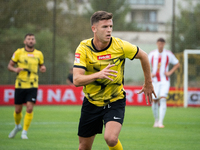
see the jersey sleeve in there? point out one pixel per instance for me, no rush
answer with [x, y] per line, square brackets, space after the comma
[173, 59]
[130, 50]
[80, 57]
[15, 56]
[41, 59]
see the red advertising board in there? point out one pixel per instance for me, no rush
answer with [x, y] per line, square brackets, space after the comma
[70, 95]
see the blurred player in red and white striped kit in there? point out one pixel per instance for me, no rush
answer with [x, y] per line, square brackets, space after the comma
[160, 59]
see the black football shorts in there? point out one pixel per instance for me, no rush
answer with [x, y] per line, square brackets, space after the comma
[24, 95]
[93, 117]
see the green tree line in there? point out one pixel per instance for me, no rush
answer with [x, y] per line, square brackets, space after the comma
[19, 17]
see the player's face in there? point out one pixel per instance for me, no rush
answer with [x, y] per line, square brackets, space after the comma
[103, 30]
[30, 41]
[160, 46]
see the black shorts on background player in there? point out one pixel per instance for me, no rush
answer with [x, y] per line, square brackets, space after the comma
[24, 95]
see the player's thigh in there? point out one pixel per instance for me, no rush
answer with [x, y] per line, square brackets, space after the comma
[113, 119]
[156, 86]
[112, 130]
[164, 89]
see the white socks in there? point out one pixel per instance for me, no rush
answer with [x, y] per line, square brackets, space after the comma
[24, 132]
[18, 126]
[155, 110]
[162, 110]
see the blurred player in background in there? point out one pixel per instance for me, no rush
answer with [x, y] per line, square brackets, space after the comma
[99, 67]
[160, 60]
[27, 60]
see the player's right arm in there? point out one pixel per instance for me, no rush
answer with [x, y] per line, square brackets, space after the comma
[11, 67]
[80, 79]
[147, 87]
[14, 59]
[80, 65]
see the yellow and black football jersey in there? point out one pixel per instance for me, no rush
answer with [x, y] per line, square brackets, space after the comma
[103, 91]
[29, 61]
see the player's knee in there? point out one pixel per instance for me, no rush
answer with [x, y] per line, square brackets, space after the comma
[155, 100]
[17, 111]
[163, 102]
[84, 147]
[111, 140]
[29, 110]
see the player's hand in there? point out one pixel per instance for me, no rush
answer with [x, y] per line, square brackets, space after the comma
[17, 70]
[148, 91]
[103, 74]
[167, 74]
[42, 68]
[153, 75]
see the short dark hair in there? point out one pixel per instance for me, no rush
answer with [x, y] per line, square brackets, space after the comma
[161, 40]
[29, 34]
[100, 15]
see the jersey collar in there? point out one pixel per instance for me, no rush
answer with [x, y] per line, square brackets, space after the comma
[28, 51]
[102, 49]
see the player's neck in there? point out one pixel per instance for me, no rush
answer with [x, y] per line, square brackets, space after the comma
[28, 49]
[160, 50]
[100, 45]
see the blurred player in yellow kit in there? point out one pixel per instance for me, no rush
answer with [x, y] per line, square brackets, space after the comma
[27, 59]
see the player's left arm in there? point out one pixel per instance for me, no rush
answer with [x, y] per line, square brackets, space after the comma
[174, 68]
[147, 87]
[42, 68]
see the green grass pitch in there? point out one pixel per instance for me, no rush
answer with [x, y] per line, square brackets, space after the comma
[55, 128]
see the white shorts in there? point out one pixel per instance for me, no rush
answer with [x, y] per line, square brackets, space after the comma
[161, 89]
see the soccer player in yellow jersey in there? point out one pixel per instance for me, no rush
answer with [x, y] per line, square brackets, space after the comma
[99, 67]
[27, 60]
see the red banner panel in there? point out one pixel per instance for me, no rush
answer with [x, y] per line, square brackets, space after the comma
[70, 95]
